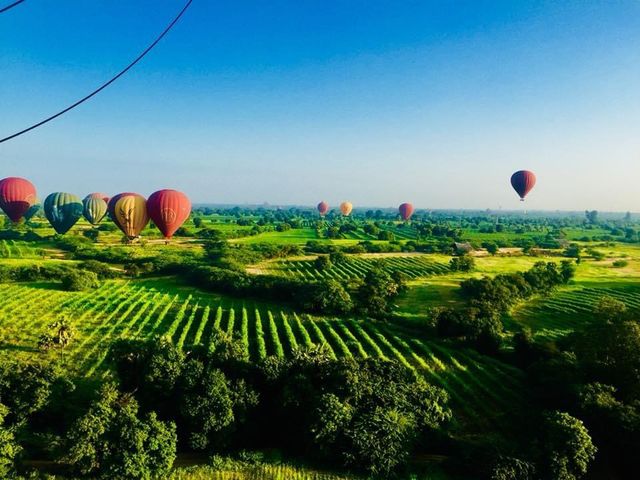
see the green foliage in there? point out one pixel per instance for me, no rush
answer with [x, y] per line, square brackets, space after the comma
[79, 280]
[375, 295]
[463, 263]
[568, 448]
[322, 262]
[9, 448]
[111, 441]
[330, 297]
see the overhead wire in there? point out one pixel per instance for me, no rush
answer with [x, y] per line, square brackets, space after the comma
[106, 84]
[11, 5]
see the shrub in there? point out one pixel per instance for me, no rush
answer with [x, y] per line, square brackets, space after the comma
[79, 280]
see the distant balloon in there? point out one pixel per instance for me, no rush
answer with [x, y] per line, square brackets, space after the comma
[103, 196]
[522, 182]
[62, 210]
[323, 208]
[130, 214]
[17, 195]
[94, 209]
[406, 210]
[345, 208]
[33, 209]
[168, 209]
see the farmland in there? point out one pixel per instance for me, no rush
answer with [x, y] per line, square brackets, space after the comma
[245, 278]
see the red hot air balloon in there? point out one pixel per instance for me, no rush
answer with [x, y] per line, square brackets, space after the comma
[323, 208]
[168, 209]
[522, 182]
[17, 195]
[406, 210]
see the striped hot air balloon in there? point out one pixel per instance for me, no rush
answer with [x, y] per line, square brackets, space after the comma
[111, 205]
[345, 208]
[168, 209]
[406, 210]
[101, 195]
[62, 210]
[323, 208]
[17, 195]
[523, 182]
[94, 209]
[130, 214]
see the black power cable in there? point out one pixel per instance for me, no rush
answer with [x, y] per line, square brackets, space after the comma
[104, 85]
[10, 6]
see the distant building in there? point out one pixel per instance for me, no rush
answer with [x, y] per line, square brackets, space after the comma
[462, 248]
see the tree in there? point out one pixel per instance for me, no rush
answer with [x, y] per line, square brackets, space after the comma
[572, 251]
[197, 222]
[322, 263]
[491, 247]
[567, 446]
[79, 280]
[375, 294]
[61, 333]
[463, 263]
[330, 297]
[567, 270]
[111, 441]
[338, 258]
[592, 216]
[9, 449]
[92, 234]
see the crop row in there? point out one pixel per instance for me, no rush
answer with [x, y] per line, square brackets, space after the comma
[357, 267]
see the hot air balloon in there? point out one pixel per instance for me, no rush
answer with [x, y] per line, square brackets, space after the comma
[323, 208]
[522, 182]
[406, 210]
[94, 209]
[111, 205]
[168, 209]
[62, 210]
[345, 208]
[103, 196]
[130, 214]
[33, 209]
[17, 195]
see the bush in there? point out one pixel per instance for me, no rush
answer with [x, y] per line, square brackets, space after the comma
[620, 263]
[464, 263]
[79, 280]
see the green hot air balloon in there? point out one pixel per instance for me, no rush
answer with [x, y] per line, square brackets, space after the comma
[94, 209]
[62, 210]
[33, 209]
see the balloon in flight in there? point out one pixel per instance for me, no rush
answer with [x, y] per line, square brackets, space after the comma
[130, 214]
[94, 209]
[523, 182]
[406, 210]
[345, 208]
[62, 210]
[17, 195]
[168, 209]
[323, 208]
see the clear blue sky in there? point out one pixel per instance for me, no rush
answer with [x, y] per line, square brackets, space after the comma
[296, 101]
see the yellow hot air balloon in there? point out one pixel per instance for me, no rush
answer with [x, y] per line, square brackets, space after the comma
[131, 215]
[345, 208]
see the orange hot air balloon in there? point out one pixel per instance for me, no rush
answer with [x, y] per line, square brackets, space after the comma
[17, 195]
[523, 182]
[168, 209]
[323, 208]
[130, 214]
[406, 210]
[345, 208]
[111, 205]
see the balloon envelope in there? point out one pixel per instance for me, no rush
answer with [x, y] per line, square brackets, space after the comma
[111, 205]
[33, 209]
[406, 210]
[62, 210]
[345, 208]
[130, 214]
[103, 196]
[94, 209]
[168, 209]
[323, 208]
[17, 195]
[522, 182]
